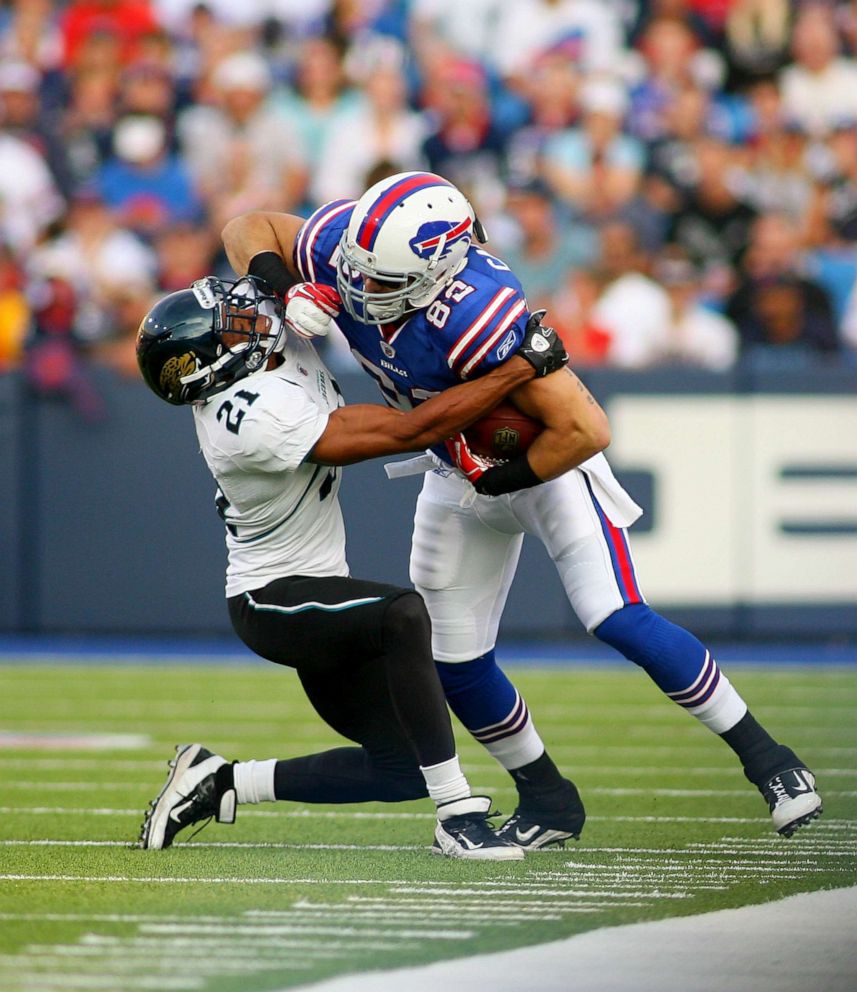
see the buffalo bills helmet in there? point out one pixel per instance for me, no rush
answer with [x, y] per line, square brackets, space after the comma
[198, 341]
[410, 232]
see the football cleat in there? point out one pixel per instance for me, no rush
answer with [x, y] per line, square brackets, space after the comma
[189, 795]
[792, 799]
[533, 829]
[463, 831]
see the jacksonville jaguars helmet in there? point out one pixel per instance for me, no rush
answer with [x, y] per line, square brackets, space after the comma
[410, 232]
[197, 342]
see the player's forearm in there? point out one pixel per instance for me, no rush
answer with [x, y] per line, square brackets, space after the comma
[456, 408]
[576, 427]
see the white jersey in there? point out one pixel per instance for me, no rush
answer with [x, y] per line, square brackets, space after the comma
[282, 513]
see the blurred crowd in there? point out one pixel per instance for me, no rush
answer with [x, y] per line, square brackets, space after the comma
[674, 180]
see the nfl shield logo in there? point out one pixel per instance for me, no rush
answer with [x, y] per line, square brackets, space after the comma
[506, 441]
[388, 349]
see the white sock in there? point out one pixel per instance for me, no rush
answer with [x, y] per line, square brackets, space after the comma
[446, 782]
[254, 781]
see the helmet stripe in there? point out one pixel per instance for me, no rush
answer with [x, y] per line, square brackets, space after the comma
[388, 200]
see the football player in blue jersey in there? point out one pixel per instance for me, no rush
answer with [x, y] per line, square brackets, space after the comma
[423, 306]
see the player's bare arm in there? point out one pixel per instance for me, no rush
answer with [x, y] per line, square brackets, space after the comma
[251, 233]
[367, 430]
[576, 427]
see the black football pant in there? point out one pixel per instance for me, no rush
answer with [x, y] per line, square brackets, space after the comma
[362, 651]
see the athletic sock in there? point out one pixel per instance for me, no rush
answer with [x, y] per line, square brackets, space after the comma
[761, 756]
[254, 781]
[445, 781]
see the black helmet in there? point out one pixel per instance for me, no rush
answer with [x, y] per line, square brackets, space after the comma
[180, 346]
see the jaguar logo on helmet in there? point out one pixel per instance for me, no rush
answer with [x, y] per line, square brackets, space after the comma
[170, 379]
[438, 233]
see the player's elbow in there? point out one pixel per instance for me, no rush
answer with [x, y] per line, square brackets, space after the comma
[598, 432]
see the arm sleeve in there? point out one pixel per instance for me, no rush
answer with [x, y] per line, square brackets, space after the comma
[486, 332]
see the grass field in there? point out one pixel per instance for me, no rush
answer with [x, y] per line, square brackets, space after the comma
[289, 895]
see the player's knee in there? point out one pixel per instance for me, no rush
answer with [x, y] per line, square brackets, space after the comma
[629, 631]
[407, 619]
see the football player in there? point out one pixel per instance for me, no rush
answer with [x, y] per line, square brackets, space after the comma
[273, 430]
[424, 306]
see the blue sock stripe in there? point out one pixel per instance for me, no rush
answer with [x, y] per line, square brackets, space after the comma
[348, 604]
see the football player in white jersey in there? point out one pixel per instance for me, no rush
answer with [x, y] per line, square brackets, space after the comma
[423, 307]
[273, 430]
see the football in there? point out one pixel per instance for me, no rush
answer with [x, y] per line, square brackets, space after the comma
[503, 433]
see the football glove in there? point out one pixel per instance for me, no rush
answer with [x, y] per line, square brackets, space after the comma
[472, 466]
[542, 346]
[310, 307]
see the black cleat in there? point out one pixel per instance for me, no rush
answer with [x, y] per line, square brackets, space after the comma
[463, 831]
[792, 799]
[532, 828]
[190, 794]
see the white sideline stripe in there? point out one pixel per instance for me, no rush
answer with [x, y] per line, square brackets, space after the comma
[250, 845]
[72, 740]
[592, 790]
[835, 824]
[803, 941]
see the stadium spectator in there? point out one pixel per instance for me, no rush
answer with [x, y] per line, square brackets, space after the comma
[126, 21]
[29, 198]
[756, 35]
[97, 257]
[321, 95]
[22, 115]
[587, 31]
[14, 311]
[631, 307]
[571, 310]
[820, 88]
[242, 152]
[381, 127]
[142, 182]
[464, 143]
[596, 168]
[87, 126]
[544, 249]
[713, 222]
[774, 305]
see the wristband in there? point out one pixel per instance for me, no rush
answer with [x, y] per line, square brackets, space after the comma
[507, 478]
[269, 266]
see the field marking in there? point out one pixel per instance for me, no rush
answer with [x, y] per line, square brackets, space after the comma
[250, 845]
[73, 740]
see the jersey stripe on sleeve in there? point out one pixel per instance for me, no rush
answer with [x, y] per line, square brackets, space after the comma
[309, 233]
[473, 331]
[495, 338]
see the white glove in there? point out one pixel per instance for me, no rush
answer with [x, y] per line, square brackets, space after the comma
[310, 307]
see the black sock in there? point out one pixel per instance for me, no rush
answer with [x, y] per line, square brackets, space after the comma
[761, 756]
[541, 783]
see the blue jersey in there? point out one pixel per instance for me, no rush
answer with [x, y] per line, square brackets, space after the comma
[473, 326]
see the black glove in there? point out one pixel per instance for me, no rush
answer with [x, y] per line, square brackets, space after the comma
[542, 346]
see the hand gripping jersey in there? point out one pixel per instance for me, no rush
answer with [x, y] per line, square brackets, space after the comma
[475, 324]
[282, 513]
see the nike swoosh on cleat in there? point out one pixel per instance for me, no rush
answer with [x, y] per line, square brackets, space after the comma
[177, 811]
[801, 784]
[522, 836]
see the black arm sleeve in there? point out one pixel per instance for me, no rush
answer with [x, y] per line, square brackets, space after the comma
[269, 266]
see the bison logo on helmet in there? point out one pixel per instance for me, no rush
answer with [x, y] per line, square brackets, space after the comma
[435, 233]
[173, 370]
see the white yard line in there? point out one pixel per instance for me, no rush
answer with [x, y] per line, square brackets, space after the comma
[804, 941]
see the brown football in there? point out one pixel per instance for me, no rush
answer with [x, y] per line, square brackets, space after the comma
[503, 433]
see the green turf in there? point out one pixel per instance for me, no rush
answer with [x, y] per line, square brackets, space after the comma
[299, 893]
